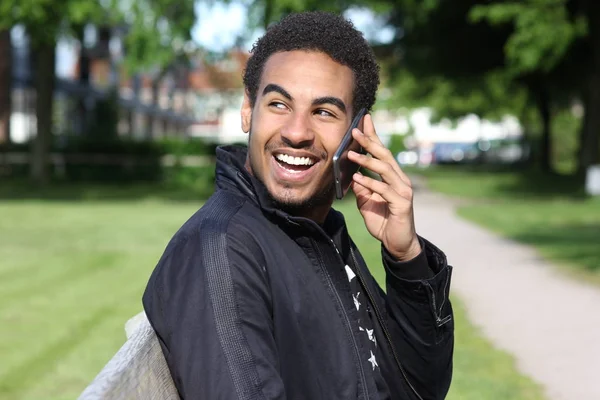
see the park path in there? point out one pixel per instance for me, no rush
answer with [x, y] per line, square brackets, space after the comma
[548, 322]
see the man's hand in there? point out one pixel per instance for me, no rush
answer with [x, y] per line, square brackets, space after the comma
[386, 205]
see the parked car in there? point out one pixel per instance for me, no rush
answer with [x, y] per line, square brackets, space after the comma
[455, 153]
[408, 157]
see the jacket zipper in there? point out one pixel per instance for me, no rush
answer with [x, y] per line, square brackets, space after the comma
[347, 319]
[382, 323]
[438, 320]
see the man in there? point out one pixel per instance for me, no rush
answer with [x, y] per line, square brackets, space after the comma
[262, 294]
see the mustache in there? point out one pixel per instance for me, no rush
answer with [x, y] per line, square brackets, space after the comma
[318, 153]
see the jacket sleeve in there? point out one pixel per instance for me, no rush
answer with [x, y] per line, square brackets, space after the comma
[209, 302]
[420, 318]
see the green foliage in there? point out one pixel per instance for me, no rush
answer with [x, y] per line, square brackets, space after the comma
[490, 96]
[263, 13]
[157, 29]
[46, 19]
[396, 144]
[106, 159]
[492, 58]
[102, 158]
[158, 33]
[199, 180]
[543, 32]
[565, 134]
[186, 147]
[445, 63]
[71, 144]
[109, 146]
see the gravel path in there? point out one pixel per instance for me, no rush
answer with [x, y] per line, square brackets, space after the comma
[549, 322]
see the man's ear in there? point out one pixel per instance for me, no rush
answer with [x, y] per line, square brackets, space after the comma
[246, 112]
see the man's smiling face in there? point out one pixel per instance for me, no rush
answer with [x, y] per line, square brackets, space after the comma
[302, 110]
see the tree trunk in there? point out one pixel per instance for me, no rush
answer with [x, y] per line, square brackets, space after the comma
[5, 85]
[81, 112]
[167, 123]
[544, 108]
[588, 139]
[590, 132]
[45, 73]
[130, 118]
[151, 118]
[132, 113]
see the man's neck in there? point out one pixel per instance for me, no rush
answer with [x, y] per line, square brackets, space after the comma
[317, 214]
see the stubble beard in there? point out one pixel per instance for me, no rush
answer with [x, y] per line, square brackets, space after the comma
[322, 197]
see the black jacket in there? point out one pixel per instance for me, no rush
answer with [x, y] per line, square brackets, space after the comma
[251, 303]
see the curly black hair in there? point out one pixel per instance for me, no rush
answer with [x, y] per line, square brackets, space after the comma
[322, 32]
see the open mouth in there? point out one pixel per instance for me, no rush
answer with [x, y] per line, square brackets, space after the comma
[294, 164]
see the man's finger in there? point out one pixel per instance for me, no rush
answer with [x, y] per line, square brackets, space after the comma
[388, 173]
[379, 151]
[361, 193]
[383, 189]
[369, 130]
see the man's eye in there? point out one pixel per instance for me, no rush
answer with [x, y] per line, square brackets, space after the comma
[277, 105]
[324, 113]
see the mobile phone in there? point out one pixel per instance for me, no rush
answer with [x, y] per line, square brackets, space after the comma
[343, 168]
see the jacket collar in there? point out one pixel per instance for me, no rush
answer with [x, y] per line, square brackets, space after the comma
[231, 174]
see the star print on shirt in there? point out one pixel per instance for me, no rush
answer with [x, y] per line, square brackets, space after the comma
[350, 273]
[356, 303]
[373, 361]
[371, 336]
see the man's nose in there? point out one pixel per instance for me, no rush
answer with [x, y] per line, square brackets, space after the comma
[298, 132]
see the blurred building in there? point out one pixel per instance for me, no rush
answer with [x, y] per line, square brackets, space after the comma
[218, 94]
[198, 99]
[208, 93]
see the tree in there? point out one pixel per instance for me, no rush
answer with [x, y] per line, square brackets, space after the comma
[589, 144]
[159, 40]
[154, 25]
[541, 46]
[44, 21]
[544, 52]
[490, 57]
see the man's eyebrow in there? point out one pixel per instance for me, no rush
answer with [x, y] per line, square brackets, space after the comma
[272, 87]
[330, 100]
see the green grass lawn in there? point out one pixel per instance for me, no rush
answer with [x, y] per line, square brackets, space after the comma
[73, 272]
[549, 213]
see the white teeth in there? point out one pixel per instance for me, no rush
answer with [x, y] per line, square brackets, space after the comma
[294, 160]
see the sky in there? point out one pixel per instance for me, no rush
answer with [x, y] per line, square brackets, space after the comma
[218, 26]
[211, 32]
